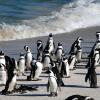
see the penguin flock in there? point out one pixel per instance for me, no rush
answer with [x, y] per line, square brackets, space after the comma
[52, 61]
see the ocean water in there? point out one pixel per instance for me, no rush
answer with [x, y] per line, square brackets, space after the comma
[21, 19]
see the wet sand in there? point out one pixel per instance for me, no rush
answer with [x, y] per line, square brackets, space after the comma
[73, 85]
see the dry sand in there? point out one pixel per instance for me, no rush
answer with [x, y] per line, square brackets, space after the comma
[73, 85]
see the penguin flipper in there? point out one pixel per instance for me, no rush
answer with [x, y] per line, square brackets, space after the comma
[87, 76]
[48, 84]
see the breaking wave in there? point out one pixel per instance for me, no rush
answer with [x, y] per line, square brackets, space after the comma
[75, 15]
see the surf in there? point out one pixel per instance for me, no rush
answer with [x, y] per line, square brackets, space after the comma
[71, 16]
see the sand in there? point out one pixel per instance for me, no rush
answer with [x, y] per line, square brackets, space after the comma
[73, 85]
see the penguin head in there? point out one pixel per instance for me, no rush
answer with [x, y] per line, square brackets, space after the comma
[39, 41]
[59, 44]
[46, 52]
[26, 48]
[1, 53]
[50, 35]
[65, 59]
[98, 36]
[96, 51]
[79, 39]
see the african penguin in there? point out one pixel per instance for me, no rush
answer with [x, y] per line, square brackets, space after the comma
[21, 64]
[52, 84]
[46, 60]
[11, 80]
[50, 44]
[65, 68]
[59, 52]
[28, 57]
[91, 74]
[39, 50]
[36, 70]
[76, 45]
[56, 72]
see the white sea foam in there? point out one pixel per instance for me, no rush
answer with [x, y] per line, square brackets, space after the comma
[76, 15]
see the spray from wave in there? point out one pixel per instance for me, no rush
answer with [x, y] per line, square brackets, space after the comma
[75, 15]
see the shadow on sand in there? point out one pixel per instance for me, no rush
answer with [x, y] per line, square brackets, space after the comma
[36, 95]
[80, 73]
[76, 86]
[33, 85]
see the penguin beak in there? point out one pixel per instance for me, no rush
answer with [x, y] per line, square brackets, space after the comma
[82, 39]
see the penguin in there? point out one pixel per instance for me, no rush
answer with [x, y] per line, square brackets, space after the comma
[3, 74]
[65, 68]
[72, 61]
[91, 74]
[28, 57]
[76, 45]
[46, 61]
[79, 97]
[11, 80]
[21, 64]
[56, 72]
[50, 44]
[52, 84]
[36, 70]
[39, 50]
[59, 52]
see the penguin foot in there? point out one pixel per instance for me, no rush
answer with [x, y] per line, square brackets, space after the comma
[53, 94]
[93, 86]
[68, 76]
[4, 92]
[29, 78]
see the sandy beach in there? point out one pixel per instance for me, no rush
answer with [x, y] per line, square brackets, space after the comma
[73, 85]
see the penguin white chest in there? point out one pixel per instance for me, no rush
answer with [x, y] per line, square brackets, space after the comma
[39, 69]
[46, 62]
[51, 46]
[21, 65]
[28, 59]
[3, 76]
[2, 61]
[12, 83]
[53, 84]
[72, 63]
[59, 54]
